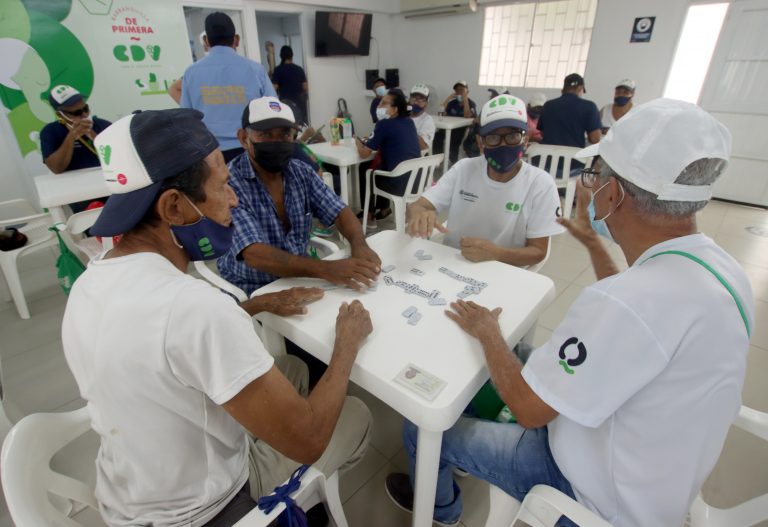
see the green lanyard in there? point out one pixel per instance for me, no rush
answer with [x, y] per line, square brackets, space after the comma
[720, 279]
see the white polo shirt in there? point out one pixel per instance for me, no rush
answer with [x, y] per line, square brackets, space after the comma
[646, 372]
[507, 214]
[425, 127]
[155, 352]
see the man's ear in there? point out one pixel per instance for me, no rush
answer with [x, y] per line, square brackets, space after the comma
[236, 42]
[242, 136]
[169, 207]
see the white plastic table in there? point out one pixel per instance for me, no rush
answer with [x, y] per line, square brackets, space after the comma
[344, 156]
[54, 191]
[449, 123]
[436, 344]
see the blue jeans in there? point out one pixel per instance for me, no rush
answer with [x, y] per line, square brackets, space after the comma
[511, 457]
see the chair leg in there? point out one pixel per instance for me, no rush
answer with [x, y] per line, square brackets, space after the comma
[503, 508]
[368, 181]
[399, 214]
[11, 273]
[570, 193]
[6, 292]
[333, 500]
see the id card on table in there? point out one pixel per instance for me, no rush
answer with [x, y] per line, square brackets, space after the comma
[417, 380]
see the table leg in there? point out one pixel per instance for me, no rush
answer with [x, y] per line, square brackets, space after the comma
[446, 150]
[427, 462]
[344, 180]
[273, 341]
[355, 187]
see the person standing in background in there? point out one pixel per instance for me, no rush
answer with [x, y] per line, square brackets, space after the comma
[290, 81]
[221, 84]
[379, 90]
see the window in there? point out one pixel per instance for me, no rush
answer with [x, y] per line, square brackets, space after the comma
[536, 44]
[694, 51]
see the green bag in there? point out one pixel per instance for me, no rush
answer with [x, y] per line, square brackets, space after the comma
[68, 264]
[488, 405]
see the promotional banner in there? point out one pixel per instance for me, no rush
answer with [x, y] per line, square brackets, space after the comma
[120, 54]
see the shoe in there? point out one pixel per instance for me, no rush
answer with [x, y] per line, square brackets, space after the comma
[382, 213]
[372, 225]
[322, 232]
[399, 490]
[12, 239]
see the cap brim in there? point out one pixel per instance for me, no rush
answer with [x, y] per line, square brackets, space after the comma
[122, 212]
[586, 153]
[503, 123]
[69, 102]
[268, 124]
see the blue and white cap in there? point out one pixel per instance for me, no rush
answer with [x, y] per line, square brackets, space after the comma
[503, 111]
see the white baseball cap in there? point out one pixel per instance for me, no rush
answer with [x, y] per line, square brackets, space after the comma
[537, 99]
[266, 113]
[503, 111]
[62, 95]
[656, 141]
[420, 88]
[627, 83]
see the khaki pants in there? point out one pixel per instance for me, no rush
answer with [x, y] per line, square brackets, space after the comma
[269, 468]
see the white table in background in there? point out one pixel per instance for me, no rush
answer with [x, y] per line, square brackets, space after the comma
[344, 156]
[55, 191]
[448, 123]
[436, 344]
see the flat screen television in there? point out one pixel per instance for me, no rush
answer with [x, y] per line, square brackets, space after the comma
[339, 33]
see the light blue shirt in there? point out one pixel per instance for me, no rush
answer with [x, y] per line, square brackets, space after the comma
[221, 85]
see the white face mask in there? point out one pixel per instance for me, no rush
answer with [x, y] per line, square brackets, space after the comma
[381, 114]
[381, 91]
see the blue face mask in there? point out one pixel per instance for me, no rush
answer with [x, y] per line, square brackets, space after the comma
[600, 226]
[415, 109]
[381, 91]
[205, 239]
[503, 158]
[621, 101]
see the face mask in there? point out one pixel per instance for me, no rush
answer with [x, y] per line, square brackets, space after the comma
[621, 101]
[273, 156]
[205, 239]
[600, 226]
[381, 91]
[416, 109]
[381, 114]
[503, 158]
[460, 98]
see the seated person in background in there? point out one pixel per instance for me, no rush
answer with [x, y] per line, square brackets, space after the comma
[379, 90]
[395, 138]
[499, 207]
[278, 196]
[628, 404]
[535, 105]
[622, 104]
[457, 104]
[67, 144]
[425, 125]
[189, 406]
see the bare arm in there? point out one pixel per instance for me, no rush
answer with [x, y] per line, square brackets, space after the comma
[421, 218]
[305, 87]
[262, 406]
[581, 229]
[174, 90]
[467, 107]
[422, 144]
[504, 367]
[480, 250]
[594, 136]
[362, 150]
[349, 227]
[291, 301]
[59, 160]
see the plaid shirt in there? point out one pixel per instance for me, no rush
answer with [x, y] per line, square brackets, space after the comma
[256, 219]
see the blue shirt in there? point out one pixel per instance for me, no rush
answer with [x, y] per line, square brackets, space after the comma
[396, 140]
[565, 120]
[221, 85]
[256, 220]
[52, 137]
[289, 79]
[456, 108]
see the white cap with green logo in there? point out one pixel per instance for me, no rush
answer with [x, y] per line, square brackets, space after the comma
[503, 111]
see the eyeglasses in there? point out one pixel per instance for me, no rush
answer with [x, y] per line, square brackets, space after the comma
[588, 177]
[512, 138]
[77, 113]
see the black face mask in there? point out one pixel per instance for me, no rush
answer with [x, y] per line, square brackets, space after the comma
[273, 156]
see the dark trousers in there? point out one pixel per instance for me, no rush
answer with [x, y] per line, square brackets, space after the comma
[240, 505]
[395, 186]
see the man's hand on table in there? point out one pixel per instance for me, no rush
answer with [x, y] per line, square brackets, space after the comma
[476, 320]
[353, 272]
[363, 251]
[478, 249]
[284, 303]
[422, 223]
[353, 325]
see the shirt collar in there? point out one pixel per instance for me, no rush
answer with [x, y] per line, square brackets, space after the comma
[221, 50]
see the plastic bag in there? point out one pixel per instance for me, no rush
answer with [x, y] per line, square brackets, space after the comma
[68, 264]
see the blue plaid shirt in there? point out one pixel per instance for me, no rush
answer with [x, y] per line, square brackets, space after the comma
[256, 219]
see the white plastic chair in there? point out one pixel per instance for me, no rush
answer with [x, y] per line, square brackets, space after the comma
[420, 165]
[750, 512]
[544, 505]
[33, 491]
[34, 225]
[554, 154]
[76, 226]
[314, 489]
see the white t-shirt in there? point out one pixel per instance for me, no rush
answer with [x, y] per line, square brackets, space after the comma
[425, 127]
[643, 417]
[507, 214]
[155, 353]
[606, 115]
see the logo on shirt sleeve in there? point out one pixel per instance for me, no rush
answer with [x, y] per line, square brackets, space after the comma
[513, 207]
[572, 353]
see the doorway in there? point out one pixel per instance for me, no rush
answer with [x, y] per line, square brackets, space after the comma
[195, 18]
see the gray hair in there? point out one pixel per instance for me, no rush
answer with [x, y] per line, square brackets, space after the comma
[703, 171]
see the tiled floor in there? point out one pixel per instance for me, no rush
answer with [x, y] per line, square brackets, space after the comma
[36, 377]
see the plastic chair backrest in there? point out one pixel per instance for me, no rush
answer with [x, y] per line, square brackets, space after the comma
[211, 276]
[27, 478]
[80, 222]
[543, 506]
[553, 154]
[424, 166]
